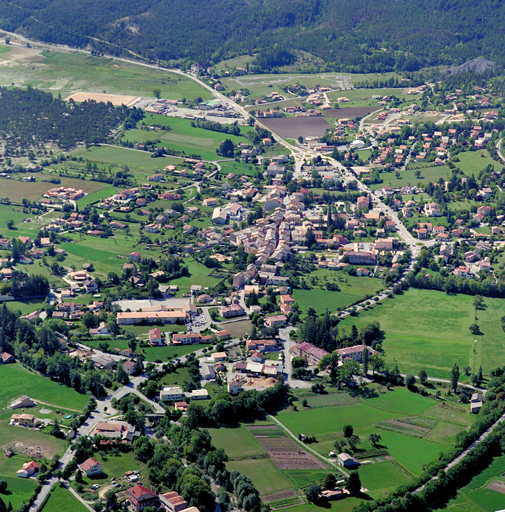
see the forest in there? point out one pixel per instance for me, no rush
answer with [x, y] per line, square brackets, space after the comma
[357, 35]
[32, 117]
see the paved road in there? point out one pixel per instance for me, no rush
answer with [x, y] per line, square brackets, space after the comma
[460, 457]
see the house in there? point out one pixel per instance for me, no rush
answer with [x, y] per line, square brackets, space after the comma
[171, 393]
[6, 358]
[25, 420]
[476, 402]
[197, 394]
[484, 210]
[219, 356]
[208, 372]
[28, 469]
[232, 310]
[101, 330]
[345, 460]
[22, 402]
[234, 387]
[181, 406]
[140, 497]
[130, 367]
[223, 335]
[257, 357]
[211, 201]
[432, 210]
[155, 336]
[276, 321]
[135, 257]
[116, 430]
[90, 467]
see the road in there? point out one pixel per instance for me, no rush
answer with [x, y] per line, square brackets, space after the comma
[460, 457]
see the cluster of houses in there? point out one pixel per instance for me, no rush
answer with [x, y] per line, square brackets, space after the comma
[63, 194]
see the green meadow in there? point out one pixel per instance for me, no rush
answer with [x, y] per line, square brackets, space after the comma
[427, 329]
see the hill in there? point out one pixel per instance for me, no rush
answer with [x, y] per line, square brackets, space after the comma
[352, 35]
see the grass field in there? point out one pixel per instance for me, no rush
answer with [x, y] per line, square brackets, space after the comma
[25, 306]
[17, 190]
[19, 490]
[476, 496]
[198, 273]
[183, 136]
[237, 442]
[407, 177]
[426, 329]
[266, 476]
[17, 381]
[66, 73]
[352, 289]
[62, 499]
[326, 420]
[472, 162]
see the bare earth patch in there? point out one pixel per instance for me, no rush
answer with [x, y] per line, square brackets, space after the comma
[497, 486]
[407, 425]
[286, 454]
[115, 99]
[281, 495]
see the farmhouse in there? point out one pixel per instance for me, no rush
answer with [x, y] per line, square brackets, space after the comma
[28, 469]
[344, 459]
[23, 401]
[90, 467]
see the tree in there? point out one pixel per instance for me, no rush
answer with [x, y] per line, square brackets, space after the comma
[455, 377]
[353, 484]
[417, 174]
[423, 377]
[478, 302]
[374, 439]
[410, 380]
[348, 430]
[474, 329]
[330, 481]
[10, 224]
[132, 344]
[312, 493]
[157, 93]
[3, 486]
[354, 441]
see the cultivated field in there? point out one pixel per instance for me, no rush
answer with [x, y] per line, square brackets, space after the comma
[239, 443]
[426, 329]
[293, 127]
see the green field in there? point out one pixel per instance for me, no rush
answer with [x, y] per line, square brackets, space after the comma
[472, 162]
[66, 73]
[326, 421]
[426, 329]
[237, 442]
[407, 177]
[352, 289]
[198, 274]
[19, 490]
[266, 476]
[62, 499]
[183, 136]
[17, 381]
[476, 496]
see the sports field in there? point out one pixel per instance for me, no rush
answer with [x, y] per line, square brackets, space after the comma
[426, 329]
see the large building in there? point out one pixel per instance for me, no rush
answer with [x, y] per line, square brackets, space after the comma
[355, 352]
[140, 497]
[309, 352]
[163, 317]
